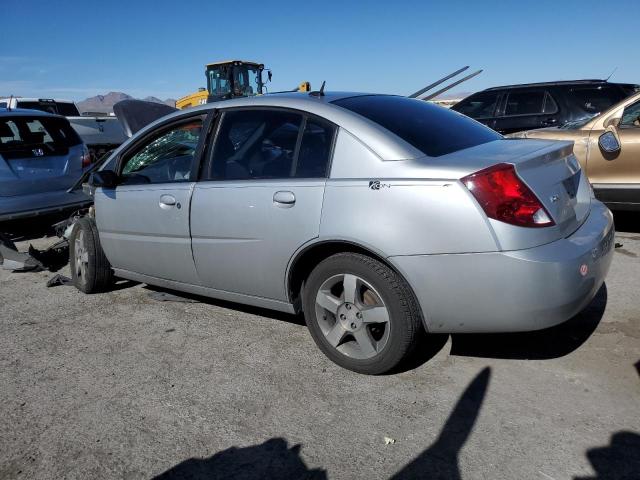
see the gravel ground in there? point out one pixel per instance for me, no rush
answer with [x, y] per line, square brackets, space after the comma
[122, 385]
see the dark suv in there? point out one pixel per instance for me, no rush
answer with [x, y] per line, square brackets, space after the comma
[537, 105]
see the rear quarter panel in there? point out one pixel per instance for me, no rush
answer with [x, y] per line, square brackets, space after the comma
[405, 217]
[399, 207]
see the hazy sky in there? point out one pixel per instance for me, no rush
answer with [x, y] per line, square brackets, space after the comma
[79, 48]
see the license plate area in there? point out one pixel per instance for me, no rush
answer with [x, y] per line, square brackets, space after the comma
[605, 245]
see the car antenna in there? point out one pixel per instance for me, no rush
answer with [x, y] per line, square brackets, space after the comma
[319, 93]
[611, 74]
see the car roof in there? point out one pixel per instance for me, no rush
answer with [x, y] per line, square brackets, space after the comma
[25, 112]
[33, 99]
[385, 144]
[558, 82]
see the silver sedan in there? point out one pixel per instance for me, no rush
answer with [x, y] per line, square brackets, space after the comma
[377, 216]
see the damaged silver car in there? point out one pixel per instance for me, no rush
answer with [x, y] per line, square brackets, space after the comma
[379, 217]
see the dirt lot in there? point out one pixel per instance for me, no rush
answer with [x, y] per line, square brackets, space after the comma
[122, 385]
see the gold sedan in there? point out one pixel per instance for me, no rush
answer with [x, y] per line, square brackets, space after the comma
[608, 147]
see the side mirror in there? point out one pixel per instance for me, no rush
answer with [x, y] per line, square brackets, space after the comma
[608, 142]
[104, 179]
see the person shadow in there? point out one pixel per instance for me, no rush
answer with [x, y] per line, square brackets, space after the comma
[618, 461]
[440, 460]
[272, 459]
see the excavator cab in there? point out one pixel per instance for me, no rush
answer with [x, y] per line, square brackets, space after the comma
[233, 79]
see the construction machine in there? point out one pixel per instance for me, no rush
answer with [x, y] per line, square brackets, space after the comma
[231, 79]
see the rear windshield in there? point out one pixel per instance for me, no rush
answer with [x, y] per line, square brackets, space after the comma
[22, 137]
[597, 98]
[59, 108]
[431, 129]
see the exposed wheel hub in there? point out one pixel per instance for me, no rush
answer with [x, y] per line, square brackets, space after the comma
[350, 316]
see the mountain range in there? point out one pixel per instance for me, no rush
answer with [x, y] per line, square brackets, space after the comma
[105, 103]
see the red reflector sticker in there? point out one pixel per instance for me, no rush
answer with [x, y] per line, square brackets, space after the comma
[584, 269]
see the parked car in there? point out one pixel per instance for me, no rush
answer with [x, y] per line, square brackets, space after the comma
[608, 147]
[377, 216]
[101, 133]
[41, 156]
[514, 108]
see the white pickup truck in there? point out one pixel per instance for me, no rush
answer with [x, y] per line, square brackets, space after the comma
[99, 132]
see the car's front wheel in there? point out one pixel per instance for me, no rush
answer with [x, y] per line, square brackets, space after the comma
[361, 313]
[90, 269]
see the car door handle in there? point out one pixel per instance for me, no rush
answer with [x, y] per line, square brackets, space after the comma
[168, 201]
[284, 198]
[549, 121]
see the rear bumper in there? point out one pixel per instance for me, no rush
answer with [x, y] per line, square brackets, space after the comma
[513, 291]
[25, 206]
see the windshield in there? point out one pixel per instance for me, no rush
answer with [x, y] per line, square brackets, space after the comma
[218, 81]
[574, 125]
[431, 129]
[594, 99]
[246, 80]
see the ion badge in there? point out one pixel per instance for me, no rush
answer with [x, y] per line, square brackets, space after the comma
[377, 185]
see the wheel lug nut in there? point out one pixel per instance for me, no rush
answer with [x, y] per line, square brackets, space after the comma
[353, 325]
[342, 317]
[348, 307]
[359, 315]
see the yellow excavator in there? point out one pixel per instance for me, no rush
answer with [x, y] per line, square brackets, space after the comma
[231, 79]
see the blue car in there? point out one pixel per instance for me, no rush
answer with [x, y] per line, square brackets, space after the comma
[41, 157]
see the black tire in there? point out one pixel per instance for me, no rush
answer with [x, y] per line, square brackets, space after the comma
[404, 319]
[96, 274]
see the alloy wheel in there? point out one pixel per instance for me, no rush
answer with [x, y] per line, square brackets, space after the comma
[352, 316]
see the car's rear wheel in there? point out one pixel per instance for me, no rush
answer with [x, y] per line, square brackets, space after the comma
[361, 313]
[90, 269]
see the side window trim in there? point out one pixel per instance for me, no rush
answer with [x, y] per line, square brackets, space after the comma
[296, 150]
[549, 98]
[212, 138]
[159, 131]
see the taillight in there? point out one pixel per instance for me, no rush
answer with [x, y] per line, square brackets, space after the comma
[86, 157]
[503, 196]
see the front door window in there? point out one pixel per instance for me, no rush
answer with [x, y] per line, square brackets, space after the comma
[166, 158]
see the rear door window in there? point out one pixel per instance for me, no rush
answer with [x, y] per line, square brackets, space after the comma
[431, 129]
[315, 149]
[480, 105]
[524, 103]
[256, 144]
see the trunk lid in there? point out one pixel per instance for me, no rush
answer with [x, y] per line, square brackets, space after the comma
[554, 174]
[549, 169]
